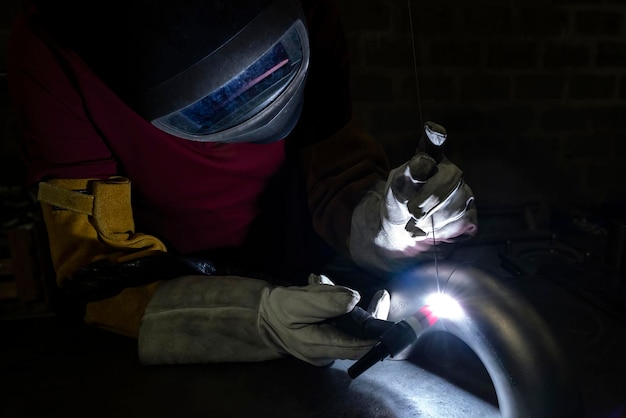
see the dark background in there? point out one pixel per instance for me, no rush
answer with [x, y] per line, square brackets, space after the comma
[532, 92]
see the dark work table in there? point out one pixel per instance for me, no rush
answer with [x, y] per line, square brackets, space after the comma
[56, 368]
[48, 370]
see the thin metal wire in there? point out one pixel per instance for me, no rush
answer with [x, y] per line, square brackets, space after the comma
[432, 220]
[417, 83]
[419, 107]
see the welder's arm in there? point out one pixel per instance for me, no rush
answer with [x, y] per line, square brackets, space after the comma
[199, 319]
[338, 171]
[398, 221]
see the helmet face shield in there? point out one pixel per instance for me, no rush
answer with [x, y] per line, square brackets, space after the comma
[248, 90]
[241, 103]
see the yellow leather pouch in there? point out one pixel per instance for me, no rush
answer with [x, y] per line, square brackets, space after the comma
[90, 219]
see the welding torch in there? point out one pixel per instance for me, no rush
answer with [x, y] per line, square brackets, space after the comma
[393, 338]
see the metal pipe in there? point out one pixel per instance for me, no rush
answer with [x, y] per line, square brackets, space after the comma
[530, 375]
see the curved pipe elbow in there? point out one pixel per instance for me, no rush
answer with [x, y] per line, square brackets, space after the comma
[529, 373]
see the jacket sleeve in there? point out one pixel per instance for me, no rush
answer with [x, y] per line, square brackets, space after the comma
[340, 160]
[339, 171]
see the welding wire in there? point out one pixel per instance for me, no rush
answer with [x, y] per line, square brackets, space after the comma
[421, 126]
[432, 221]
[417, 83]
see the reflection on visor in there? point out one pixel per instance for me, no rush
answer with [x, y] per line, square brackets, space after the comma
[246, 94]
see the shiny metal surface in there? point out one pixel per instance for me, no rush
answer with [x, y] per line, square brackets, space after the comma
[516, 346]
[51, 368]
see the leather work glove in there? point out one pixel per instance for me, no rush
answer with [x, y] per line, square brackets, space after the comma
[200, 319]
[422, 203]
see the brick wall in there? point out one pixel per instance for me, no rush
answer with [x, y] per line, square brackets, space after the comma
[532, 92]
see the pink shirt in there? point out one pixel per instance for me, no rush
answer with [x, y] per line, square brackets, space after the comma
[263, 199]
[195, 196]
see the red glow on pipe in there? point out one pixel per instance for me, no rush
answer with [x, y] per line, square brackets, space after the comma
[430, 316]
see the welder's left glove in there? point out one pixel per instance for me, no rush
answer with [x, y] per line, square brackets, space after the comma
[207, 319]
[398, 222]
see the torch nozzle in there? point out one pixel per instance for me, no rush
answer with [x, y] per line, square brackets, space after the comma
[378, 353]
[395, 340]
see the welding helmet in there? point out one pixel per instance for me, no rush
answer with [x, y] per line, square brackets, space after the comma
[203, 70]
[227, 71]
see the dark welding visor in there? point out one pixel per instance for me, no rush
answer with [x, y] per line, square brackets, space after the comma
[250, 89]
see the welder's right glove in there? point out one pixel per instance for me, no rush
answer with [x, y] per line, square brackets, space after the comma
[199, 319]
[401, 222]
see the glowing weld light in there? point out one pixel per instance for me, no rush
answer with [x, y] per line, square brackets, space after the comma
[444, 306]
[427, 313]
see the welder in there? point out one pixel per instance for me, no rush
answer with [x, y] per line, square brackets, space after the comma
[198, 165]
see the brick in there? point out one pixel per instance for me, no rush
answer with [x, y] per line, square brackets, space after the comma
[389, 118]
[436, 18]
[485, 88]
[408, 87]
[472, 147]
[606, 181]
[489, 146]
[597, 22]
[535, 153]
[512, 55]
[487, 20]
[585, 146]
[542, 147]
[400, 20]
[387, 52]
[564, 119]
[400, 147]
[608, 118]
[575, 2]
[371, 15]
[566, 55]
[431, 87]
[543, 22]
[620, 149]
[592, 87]
[539, 87]
[455, 53]
[371, 86]
[427, 19]
[509, 118]
[611, 54]
[459, 120]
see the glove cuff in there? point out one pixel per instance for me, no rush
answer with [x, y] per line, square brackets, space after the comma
[88, 219]
[200, 319]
